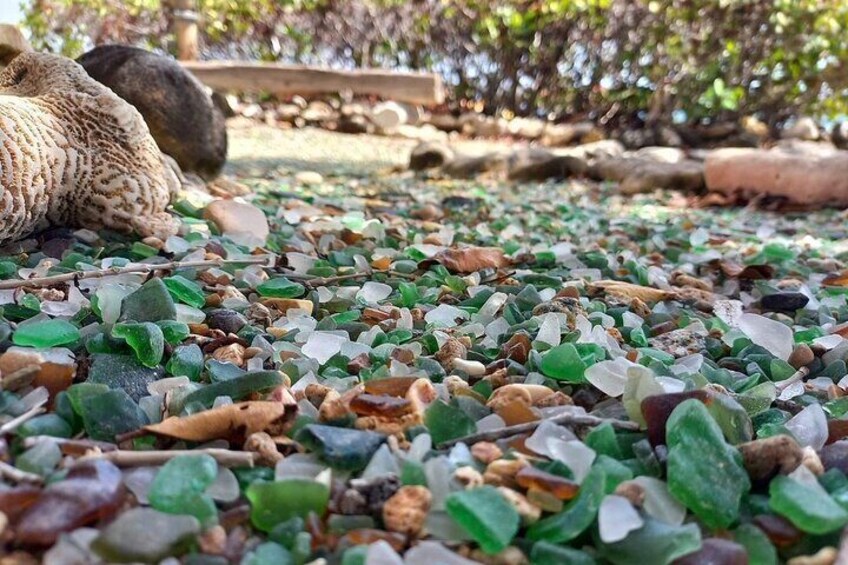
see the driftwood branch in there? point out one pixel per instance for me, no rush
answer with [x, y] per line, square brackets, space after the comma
[566, 419]
[126, 458]
[132, 269]
[14, 424]
[16, 475]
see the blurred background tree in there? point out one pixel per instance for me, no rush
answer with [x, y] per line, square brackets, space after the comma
[611, 60]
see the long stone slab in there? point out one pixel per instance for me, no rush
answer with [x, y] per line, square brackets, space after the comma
[803, 176]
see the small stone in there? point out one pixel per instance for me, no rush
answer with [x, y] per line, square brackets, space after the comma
[186, 360]
[281, 287]
[697, 449]
[231, 217]
[655, 542]
[406, 511]
[446, 422]
[228, 321]
[486, 452]
[429, 155]
[180, 485]
[150, 303]
[806, 504]
[809, 426]
[186, 291]
[616, 518]
[90, 492]
[341, 448]
[783, 301]
[767, 457]
[110, 414]
[775, 337]
[716, 550]
[146, 535]
[49, 333]
[801, 356]
[577, 516]
[486, 516]
[308, 178]
[564, 363]
[146, 339]
[275, 502]
[123, 372]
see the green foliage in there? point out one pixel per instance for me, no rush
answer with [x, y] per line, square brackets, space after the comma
[612, 58]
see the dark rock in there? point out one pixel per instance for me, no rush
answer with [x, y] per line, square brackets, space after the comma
[642, 175]
[223, 104]
[470, 167]
[783, 301]
[183, 119]
[839, 135]
[429, 155]
[716, 551]
[354, 124]
[228, 321]
[548, 166]
[835, 456]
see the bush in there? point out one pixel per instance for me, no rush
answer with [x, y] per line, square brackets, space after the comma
[613, 60]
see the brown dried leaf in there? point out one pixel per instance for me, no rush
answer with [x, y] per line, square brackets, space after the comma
[836, 279]
[233, 422]
[747, 272]
[629, 290]
[467, 260]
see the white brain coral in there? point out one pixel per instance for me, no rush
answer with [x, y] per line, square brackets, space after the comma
[73, 153]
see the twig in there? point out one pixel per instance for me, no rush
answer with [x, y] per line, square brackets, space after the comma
[142, 268]
[572, 419]
[71, 446]
[796, 376]
[18, 476]
[13, 424]
[126, 458]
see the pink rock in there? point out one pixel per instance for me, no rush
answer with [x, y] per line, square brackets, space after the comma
[233, 217]
[803, 176]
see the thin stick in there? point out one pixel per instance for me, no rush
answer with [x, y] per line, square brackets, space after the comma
[142, 269]
[126, 458]
[69, 445]
[796, 376]
[12, 425]
[18, 476]
[572, 419]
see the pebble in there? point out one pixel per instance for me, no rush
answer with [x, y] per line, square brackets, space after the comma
[146, 535]
[801, 356]
[783, 301]
[237, 217]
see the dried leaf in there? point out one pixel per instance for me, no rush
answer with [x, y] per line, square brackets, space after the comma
[836, 279]
[747, 272]
[629, 290]
[466, 260]
[233, 422]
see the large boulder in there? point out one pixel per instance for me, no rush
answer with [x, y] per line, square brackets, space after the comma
[803, 128]
[642, 175]
[539, 165]
[77, 154]
[12, 42]
[799, 175]
[429, 155]
[183, 119]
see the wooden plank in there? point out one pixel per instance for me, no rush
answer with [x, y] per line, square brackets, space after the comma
[287, 80]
